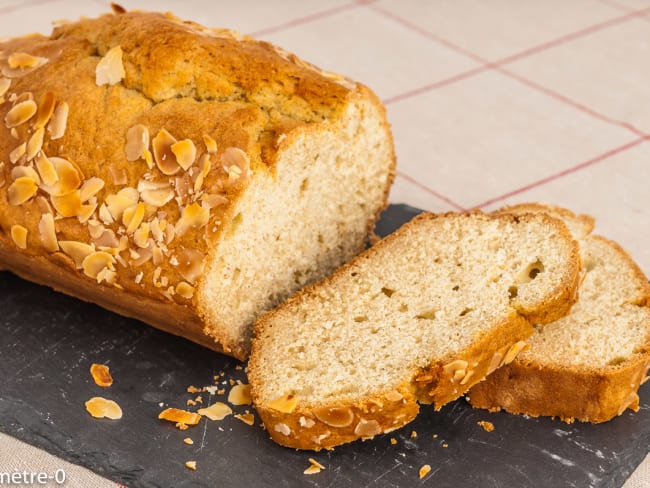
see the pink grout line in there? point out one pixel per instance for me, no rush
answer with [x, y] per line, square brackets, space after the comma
[498, 66]
[572, 36]
[434, 193]
[310, 18]
[435, 85]
[19, 6]
[571, 102]
[573, 169]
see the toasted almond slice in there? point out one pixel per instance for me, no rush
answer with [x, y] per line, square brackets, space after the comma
[90, 188]
[5, 83]
[19, 236]
[191, 465]
[185, 290]
[240, 395]
[190, 264]
[86, 212]
[204, 168]
[46, 170]
[188, 441]
[35, 143]
[78, 251]
[2, 174]
[110, 70]
[236, 164]
[59, 121]
[176, 415]
[193, 217]
[163, 155]
[247, 418]
[285, 404]
[157, 198]
[117, 205]
[216, 411]
[96, 262]
[101, 375]
[424, 470]
[20, 113]
[132, 217]
[141, 236]
[21, 190]
[314, 467]
[68, 205]
[210, 144]
[185, 152]
[47, 230]
[100, 407]
[213, 200]
[18, 153]
[21, 60]
[137, 142]
[45, 110]
[28, 171]
[68, 177]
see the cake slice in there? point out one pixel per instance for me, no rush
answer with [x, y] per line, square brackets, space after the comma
[587, 366]
[418, 318]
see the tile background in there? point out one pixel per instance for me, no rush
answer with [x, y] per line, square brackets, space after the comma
[491, 103]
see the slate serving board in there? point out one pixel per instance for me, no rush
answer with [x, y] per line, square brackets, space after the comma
[48, 341]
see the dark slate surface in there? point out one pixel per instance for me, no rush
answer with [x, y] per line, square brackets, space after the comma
[48, 342]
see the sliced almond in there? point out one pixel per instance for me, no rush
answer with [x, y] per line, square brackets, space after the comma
[185, 290]
[284, 404]
[210, 144]
[193, 217]
[110, 70]
[240, 395]
[163, 155]
[25, 171]
[47, 231]
[21, 190]
[117, 204]
[101, 375]
[100, 407]
[21, 60]
[20, 113]
[236, 164]
[335, 416]
[96, 262]
[314, 467]
[90, 188]
[185, 152]
[132, 217]
[190, 264]
[68, 205]
[515, 349]
[19, 236]
[137, 142]
[17, 153]
[157, 198]
[46, 170]
[59, 121]
[45, 109]
[213, 200]
[35, 143]
[216, 411]
[78, 251]
[86, 212]
[189, 464]
[367, 428]
[204, 168]
[247, 418]
[141, 236]
[68, 177]
[5, 83]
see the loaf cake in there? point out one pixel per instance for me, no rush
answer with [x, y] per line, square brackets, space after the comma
[587, 366]
[420, 317]
[185, 176]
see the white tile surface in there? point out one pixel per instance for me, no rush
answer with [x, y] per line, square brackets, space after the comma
[371, 48]
[499, 28]
[488, 135]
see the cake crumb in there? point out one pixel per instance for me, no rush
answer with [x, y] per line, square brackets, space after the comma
[445, 445]
[414, 434]
[393, 441]
[425, 470]
[193, 389]
[487, 426]
[189, 441]
[191, 465]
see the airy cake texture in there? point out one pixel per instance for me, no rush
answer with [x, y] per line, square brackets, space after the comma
[189, 177]
[420, 317]
[587, 366]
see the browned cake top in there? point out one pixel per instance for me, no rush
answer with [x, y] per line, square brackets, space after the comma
[124, 141]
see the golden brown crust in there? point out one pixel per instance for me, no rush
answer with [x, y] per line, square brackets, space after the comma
[109, 92]
[302, 426]
[584, 393]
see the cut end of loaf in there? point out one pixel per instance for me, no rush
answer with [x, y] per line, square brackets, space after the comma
[300, 222]
[408, 316]
[588, 365]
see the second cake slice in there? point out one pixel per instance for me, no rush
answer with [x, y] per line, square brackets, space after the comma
[420, 317]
